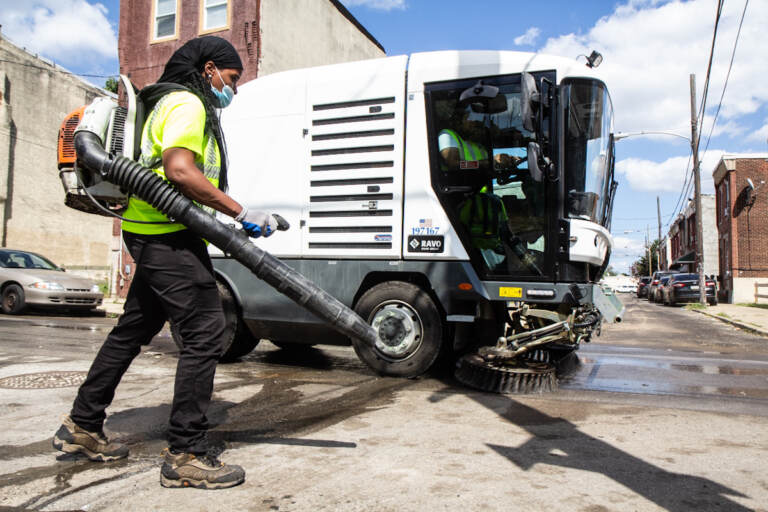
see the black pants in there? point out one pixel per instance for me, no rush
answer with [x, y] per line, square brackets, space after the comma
[174, 281]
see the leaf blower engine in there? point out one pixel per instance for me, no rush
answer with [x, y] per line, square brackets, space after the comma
[97, 151]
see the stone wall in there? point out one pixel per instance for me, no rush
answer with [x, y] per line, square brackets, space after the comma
[35, 97]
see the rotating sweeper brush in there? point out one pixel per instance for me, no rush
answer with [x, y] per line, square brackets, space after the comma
[529, 360]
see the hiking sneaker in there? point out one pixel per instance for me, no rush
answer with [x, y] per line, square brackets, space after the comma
[203, 472]
[70, 438]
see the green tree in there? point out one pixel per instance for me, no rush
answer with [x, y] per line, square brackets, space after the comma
[641, 265]
[111, 84]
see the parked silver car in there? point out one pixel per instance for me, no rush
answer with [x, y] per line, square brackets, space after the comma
[28, 279]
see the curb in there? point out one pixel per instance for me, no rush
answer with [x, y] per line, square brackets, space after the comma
[740, 325]
[66, 323]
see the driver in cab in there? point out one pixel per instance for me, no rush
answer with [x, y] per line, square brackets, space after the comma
[482, 212]
[458, 152]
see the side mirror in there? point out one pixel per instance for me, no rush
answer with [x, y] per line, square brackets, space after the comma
[530, 100]
[534, 155]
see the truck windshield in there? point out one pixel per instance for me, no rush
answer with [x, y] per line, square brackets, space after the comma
[588, 159]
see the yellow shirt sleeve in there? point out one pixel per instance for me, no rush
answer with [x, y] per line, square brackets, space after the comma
[182, 123]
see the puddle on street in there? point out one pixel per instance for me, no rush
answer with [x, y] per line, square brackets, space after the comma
[649, 373]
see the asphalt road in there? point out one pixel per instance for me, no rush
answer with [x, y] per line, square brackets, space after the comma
[666, 411]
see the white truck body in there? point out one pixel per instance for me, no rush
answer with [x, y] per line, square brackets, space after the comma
[293, 150]
[348, 155]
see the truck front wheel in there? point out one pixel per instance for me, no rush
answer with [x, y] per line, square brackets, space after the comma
[237, 339]
[409, 326]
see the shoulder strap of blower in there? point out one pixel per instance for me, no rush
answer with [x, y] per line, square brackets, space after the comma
[147, 99]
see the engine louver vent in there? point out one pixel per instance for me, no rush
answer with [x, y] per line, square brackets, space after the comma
[117, 137]
[355, 186]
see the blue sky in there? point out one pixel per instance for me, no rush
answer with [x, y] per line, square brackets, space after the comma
[650, 47]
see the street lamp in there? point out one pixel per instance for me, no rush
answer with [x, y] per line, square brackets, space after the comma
[620, 136]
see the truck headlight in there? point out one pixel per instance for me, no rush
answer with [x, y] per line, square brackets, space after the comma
[95, 289]
[47, 285]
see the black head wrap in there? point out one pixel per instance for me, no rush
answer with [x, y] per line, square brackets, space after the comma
[185, 68]
[193, 55]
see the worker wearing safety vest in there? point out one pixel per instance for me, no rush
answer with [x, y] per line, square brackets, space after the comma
[457, 153]
[174, 280]
[485, 217]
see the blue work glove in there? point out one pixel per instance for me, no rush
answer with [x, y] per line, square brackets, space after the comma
[257, 223]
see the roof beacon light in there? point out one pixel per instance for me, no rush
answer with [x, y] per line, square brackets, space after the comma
[594, 59]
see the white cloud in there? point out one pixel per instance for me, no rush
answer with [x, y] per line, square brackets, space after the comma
[669, 175]
[759, 135]
[67, 31]
[529, 38]
[651, 47]
[384, 5]
[627, 245]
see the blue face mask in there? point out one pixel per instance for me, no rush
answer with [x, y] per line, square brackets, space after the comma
[223, 96]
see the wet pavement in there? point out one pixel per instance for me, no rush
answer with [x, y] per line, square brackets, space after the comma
[665, 411]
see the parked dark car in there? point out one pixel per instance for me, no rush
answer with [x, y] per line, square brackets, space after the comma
[653, 294]
[659, 294]
[685, 288]
[642, 287]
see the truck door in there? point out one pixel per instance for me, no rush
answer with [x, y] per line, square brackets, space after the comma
[478, 155]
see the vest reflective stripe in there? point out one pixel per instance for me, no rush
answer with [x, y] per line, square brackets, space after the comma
[468, 151]
[483, 214]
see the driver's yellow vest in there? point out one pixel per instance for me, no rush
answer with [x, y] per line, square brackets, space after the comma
[176, 121]
[483, 215]
[468, 151]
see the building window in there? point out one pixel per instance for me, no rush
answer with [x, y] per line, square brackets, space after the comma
[165, 16]
[215, 15]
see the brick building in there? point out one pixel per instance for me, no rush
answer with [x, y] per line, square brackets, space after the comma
[682, 238]
[742, 224]
[35, 96]
[269, 35]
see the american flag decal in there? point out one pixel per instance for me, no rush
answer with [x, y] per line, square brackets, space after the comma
[425, 223]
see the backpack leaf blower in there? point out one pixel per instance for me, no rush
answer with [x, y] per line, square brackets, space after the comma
[98, 171]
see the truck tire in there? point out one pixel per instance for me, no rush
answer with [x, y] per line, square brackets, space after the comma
[13, 300]
[237, 339]
[412, 324]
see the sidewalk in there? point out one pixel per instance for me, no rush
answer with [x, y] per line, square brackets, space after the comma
[112, 306]
[744, 317]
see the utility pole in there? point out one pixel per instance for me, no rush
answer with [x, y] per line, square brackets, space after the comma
[697, 194]
[658, 247]
[648, 249]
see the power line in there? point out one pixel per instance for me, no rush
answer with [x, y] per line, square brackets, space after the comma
[705, 91]
[727, 76]
[14, 136]
[637, 218]
[59, 69]
[695, 144]
[686, 183]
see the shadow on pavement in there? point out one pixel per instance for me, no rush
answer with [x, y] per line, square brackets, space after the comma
[558, 442]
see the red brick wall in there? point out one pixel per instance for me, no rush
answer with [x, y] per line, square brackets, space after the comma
[750, 222]
[143, 61]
